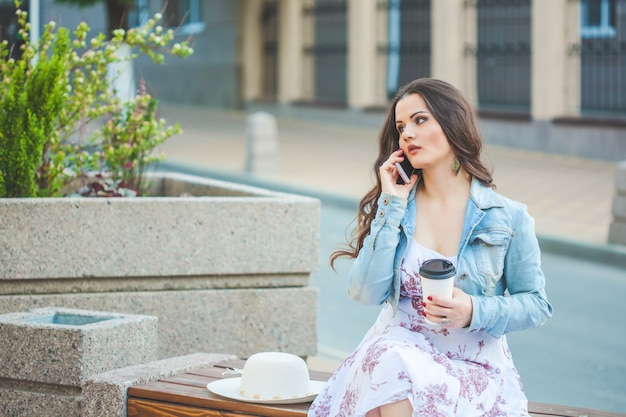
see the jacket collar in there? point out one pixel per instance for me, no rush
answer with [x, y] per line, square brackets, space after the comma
[484, 197]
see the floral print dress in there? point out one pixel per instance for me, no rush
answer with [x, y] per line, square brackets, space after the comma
[441, 371]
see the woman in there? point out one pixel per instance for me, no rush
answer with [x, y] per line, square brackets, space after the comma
[406, 366]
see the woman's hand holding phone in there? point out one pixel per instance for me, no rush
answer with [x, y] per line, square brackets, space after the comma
[391, 178]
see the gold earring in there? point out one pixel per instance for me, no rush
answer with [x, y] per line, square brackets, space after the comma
[456, 166]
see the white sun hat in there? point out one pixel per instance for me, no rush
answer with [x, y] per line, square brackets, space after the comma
[270, 377]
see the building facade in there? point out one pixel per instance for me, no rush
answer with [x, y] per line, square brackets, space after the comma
[547, 75]
[543, 74]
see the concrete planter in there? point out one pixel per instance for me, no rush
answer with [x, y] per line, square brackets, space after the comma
[225, 270]
[47, 354]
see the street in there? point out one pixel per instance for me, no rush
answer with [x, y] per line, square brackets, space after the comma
[578, 358]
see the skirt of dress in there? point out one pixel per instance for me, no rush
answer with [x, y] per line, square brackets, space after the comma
[441, 371]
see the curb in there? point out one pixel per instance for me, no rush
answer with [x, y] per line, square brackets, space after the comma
[243, 178]
[608, 254]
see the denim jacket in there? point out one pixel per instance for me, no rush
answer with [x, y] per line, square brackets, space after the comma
[498, 262]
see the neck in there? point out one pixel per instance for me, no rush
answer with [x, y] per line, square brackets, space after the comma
[445, 186]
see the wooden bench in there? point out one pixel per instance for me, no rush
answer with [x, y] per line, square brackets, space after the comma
[186, 396]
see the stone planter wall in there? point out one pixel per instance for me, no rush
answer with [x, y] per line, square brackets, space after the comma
[225, 270]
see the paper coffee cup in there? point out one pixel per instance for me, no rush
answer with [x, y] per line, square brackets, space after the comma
[437, 278]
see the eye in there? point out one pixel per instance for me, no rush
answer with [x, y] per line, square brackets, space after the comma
[419, 120]
[400, 128]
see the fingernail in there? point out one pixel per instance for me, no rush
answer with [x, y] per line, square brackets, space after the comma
[423, 304]
[430, 298]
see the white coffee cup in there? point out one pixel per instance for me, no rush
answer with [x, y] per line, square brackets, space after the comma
[437, 279]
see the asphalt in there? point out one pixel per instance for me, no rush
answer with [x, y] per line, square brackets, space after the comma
[328, 154]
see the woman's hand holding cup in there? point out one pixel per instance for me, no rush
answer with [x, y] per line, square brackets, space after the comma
[444, 304]
[455, 312]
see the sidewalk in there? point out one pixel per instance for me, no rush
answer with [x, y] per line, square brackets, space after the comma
[331, 152]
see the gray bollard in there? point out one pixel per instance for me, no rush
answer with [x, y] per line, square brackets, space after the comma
[617, 230]
[262, 143]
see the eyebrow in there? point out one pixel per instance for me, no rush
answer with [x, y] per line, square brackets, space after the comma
[413, 115]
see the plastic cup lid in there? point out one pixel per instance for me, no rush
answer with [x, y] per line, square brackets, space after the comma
[437, 269]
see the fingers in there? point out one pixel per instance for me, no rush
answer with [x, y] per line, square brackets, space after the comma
[438, 314]
[449, 312]
[390, 164]
[389, 176]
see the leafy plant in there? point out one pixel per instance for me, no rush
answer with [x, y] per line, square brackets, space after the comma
[53, 94]
[125, 145]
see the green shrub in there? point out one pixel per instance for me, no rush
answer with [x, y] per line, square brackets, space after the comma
[30, 99]
[56, 90]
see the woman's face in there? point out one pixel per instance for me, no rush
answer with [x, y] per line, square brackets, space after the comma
[421, 136]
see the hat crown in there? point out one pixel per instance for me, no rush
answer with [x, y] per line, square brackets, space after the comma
[275, 376]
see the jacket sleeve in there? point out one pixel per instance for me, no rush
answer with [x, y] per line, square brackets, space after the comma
[371, 278]
[526, 305]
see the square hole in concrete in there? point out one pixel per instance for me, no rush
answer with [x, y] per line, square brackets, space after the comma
[68, 319]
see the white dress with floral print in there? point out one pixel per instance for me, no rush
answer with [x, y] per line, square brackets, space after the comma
[441, 371]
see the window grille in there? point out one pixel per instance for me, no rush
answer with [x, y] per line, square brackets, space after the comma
[269, 29]
[503, 55]
[329, 50]
[408, 41]
[603, 59]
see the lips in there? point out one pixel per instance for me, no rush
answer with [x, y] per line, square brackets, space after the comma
[412, 148]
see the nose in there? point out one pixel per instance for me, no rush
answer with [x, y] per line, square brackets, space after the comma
[408, 133]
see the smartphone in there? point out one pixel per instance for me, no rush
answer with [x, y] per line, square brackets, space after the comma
[405, 170]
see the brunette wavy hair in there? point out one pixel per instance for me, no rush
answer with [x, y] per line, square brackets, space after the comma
[458, 122]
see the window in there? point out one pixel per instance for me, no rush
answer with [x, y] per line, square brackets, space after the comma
[185, 15]
[597, 19]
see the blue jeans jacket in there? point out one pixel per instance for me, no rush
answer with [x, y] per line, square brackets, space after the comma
[498, 262]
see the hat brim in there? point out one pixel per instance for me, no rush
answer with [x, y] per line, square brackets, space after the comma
[229, 388]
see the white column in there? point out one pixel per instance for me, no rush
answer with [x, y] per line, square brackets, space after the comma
[554, 76]
[469, 86]
[453, 27]
[572, 75]
[362, 65]
[251, 50]
[382, 38]
[290, 54]
[33, 16]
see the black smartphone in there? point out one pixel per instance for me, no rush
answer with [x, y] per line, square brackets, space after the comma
[405, 170]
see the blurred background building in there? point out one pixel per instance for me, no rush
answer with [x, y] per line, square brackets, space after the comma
[547, 75]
